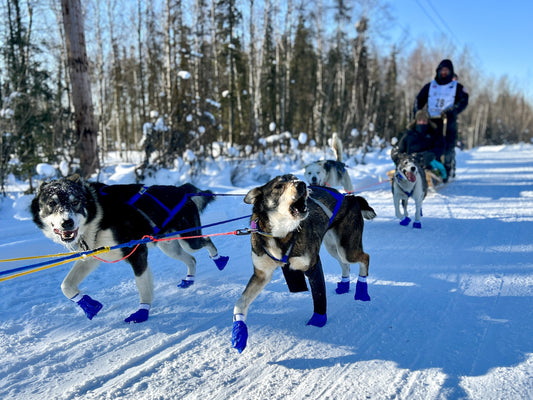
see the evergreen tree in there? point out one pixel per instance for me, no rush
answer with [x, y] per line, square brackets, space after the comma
[303, 81]
[26, 117]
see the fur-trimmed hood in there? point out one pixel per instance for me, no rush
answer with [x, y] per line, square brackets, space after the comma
[422, 114]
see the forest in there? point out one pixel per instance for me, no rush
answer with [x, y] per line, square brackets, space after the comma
[220, 78]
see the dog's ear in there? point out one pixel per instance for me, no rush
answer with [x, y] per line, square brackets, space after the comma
[252, 196]
[74, 178]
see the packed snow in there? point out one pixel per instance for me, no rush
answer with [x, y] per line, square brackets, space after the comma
[451, 314]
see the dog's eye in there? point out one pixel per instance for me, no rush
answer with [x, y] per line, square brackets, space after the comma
[51, 204]
[278, 186]
[76, 203]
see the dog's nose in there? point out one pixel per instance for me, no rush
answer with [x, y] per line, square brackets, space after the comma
[68, 224]
[413, 169]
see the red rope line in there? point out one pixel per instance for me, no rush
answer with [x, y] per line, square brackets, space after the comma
[164, 240]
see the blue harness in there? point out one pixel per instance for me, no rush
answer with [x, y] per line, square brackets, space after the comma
[145, 194]
[337, 196]
[171, 212]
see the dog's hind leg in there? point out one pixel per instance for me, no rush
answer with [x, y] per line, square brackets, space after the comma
[69, 287]
[205, 242]
[145, 286]
[361, 288]
[331, 244]
[318, 291]
[179, 251]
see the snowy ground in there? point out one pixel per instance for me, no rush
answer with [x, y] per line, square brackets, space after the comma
[451, 315]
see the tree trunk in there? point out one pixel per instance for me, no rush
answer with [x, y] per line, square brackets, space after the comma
[81, 88]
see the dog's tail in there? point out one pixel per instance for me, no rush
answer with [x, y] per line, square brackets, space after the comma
[336, 146]
[200, 197]
[367, 211]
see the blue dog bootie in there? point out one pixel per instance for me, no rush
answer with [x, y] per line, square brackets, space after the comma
[185, 283]
[87, 304]
[239, 333]
[140, 315]
[343, 286]
[361, 289]
[406, 221]
[318, 320]
[220, 261]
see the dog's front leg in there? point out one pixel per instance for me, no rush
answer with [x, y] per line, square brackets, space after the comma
[397, 200]
[405, 220]
[69, 286]
[418, 213]
[318, 291]
[255, 285]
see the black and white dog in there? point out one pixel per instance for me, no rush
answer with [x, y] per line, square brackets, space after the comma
[409, 180]
[330, 172]
[289, 223]
[85, 215]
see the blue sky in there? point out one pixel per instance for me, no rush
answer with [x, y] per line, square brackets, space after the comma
[499, 33]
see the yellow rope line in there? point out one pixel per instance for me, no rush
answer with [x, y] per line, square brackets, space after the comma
[34, 257]
[96, 252]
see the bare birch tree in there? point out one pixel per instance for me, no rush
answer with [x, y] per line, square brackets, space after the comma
[81, 88]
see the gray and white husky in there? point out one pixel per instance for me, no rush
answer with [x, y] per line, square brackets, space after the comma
[289, 222]
[84, 215]
[330, 173]
[409, 181]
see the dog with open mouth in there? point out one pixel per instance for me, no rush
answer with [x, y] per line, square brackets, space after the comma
[290, 221]
[86, 215]
[409, 181]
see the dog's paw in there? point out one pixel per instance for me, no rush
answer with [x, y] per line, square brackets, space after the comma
[90, 306]
[342, 287]
[361, 291]
[406, 221]
[239, 335]
[417, 225]
[221, 262]
[318, 320]
[140, 315]
[185, 283]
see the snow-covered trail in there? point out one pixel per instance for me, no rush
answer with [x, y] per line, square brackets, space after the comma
[451, 314]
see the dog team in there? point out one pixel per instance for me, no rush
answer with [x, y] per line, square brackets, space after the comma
[290, 221]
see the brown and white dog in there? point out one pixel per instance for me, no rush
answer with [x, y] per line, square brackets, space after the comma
[289, 222]
[331, 173]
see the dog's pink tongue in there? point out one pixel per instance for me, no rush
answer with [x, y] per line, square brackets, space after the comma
[411, 177]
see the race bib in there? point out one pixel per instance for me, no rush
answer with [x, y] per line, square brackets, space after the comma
[441, 97]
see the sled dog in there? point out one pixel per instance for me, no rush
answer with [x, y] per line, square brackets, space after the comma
[409, 180]
[84, 216]
[289, 222]
[330, 172]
